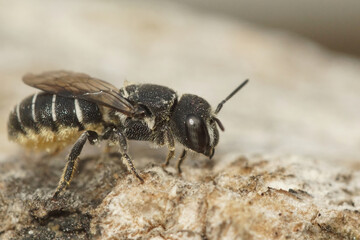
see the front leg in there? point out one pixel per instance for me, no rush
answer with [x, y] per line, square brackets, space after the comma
[171, 147]
[121, 140]
[181, 159]
[72, 160]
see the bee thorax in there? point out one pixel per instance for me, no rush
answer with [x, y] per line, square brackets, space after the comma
[150, 122]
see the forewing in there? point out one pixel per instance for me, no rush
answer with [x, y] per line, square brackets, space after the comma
[80, 85]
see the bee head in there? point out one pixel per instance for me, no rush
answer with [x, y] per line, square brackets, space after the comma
[194, 124]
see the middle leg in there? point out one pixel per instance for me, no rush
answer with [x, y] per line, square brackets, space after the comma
[121, 139]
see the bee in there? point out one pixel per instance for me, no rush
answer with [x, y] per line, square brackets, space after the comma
[74, 108]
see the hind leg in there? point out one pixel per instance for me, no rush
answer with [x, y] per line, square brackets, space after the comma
[72, 161]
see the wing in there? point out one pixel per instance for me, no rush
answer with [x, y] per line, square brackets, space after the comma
[82, 86]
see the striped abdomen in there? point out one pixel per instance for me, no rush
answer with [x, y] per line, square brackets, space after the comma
[49, 122]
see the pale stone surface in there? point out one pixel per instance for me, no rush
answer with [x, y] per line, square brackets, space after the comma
[296, 123]
[276, 198]
[237, 197]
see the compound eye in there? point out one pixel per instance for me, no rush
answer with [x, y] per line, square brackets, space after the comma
[196, 133]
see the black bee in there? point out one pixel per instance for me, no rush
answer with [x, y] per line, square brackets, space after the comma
[75, 107]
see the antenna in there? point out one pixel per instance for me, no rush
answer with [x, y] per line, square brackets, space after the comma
[230, 96]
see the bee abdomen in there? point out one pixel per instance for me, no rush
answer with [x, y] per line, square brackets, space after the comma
[43, 119]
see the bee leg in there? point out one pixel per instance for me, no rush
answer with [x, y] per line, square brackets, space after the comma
[171, 146]
[72, 160]
[109, 149]
[124, 154]
[181, 159]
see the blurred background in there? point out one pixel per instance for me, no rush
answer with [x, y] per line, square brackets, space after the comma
[302, 59]
[331, 23]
